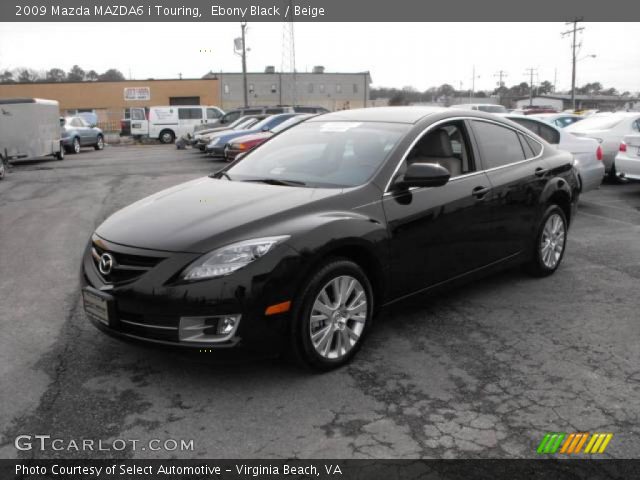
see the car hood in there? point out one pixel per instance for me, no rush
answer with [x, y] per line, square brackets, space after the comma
[227, 136]
[200, 215]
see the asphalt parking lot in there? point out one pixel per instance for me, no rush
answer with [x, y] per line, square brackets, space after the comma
[481, 372]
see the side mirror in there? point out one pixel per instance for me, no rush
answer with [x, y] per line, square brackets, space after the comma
[423, 175]
[265, 129]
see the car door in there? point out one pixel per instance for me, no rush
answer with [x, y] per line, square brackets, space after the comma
[188, 118]
[518, 173]
[212, 115]
[139, 121]
[438, 233]
[82, 129]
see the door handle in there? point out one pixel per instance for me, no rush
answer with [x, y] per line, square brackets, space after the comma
[541, 172]
[480, 192]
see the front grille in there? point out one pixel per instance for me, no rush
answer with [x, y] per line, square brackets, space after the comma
[125, 267]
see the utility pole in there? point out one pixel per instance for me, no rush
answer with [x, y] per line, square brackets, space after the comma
[574, 53]
[531, 72]
[243, 26]
[473, 83]
[501, 74]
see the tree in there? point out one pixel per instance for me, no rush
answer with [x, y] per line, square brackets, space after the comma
[609, 91]
[56, 75]
[593, 88]
[111, 75]
[92, 75]
[399, 98]
[446, 90]
[26, 75]
[76, 74]
[6, 77]
[545, 87]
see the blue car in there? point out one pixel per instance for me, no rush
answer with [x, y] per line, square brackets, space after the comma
[215, 148]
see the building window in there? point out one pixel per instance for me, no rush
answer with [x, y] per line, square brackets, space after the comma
[310, 88]
[321, 87]
[355, 88]
[227, 90]
[252, 88]
[338, 88]
[273, 88]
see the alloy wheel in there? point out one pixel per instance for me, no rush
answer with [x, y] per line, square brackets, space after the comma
[76, 145]
[338, 317]
[552, 240]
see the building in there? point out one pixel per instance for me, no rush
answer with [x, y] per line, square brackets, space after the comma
[332, 90]
[111, 101]
[562, 102]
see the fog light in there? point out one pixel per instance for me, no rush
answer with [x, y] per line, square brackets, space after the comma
[226, 325]
[208, 329]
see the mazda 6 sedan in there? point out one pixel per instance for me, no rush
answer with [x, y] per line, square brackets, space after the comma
[294, 247]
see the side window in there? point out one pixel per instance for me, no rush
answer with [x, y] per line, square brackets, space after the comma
[498, 145]
[536, 147]
[636, 125]
[253, 111]
[189, 113]
[231, 116]
[447, 145]
[137, 114]
[541, 129]
[76, 122]
[213, 113]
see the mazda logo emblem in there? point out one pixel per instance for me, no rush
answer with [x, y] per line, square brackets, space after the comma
[106, 263]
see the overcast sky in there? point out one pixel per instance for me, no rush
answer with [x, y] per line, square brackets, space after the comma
[396, 54]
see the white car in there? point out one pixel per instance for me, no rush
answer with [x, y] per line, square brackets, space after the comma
[628, 158]
[608, 129]
[560, 120]
[587, 152]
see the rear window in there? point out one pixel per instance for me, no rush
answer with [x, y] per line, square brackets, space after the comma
[492, 108]
[604, 122]
[544, 131]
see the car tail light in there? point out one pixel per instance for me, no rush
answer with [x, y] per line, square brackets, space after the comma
[623, 147]
[599, 153]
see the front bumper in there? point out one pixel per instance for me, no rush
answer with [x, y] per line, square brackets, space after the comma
[216, 151]
[152, 306]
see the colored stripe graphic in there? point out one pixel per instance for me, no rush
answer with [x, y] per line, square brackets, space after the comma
[572, 443]
[551, 442]
[598, 443]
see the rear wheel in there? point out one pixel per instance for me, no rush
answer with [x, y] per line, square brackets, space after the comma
[60, 153]
[550, 243]
[167, 136]
[333, 315]
[100, 143]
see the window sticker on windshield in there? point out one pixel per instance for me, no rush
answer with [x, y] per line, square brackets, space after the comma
[339, 126]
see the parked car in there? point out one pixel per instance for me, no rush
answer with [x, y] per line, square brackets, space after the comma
[628, 158]
[608, 129]
[560, 120]
[482, 107]
[232, 115]
[304, 238]
[248, 142]
[586, 151]
[216, 146]
[166, 123]
[537, 109]
[29, 128]
[77, 133]
[243, 123]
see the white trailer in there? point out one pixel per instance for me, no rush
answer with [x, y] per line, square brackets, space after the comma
[29, 128]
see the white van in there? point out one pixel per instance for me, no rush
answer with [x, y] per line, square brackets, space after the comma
[29, 128]
[168, 123]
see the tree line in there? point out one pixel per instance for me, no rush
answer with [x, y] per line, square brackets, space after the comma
[409, 94]
[58, 75]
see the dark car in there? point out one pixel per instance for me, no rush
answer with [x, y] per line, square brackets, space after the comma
[250, 141]
[202, 139]
[218, 143]
[233, 115]
[296, 245]
[77, 133]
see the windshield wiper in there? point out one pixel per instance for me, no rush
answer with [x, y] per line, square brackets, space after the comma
[277, 181]
[219, 175]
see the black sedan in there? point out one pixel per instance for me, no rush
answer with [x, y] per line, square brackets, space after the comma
[296, 245]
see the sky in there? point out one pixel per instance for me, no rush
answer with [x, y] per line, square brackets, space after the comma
[397, 54]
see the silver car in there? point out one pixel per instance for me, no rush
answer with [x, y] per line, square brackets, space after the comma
[628, 158]
[608, 129]
[77, 133]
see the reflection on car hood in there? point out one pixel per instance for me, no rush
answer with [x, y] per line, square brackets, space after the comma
[186, 218]
[252, 136]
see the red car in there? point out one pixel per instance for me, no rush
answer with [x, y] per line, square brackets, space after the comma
[248, 142]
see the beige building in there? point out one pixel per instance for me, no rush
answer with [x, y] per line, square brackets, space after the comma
[111, 101]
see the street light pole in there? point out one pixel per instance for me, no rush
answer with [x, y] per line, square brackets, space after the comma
[243, 26]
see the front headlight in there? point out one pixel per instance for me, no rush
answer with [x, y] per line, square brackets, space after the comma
[226, 260]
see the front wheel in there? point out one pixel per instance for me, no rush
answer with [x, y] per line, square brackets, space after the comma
[332, 316]
[550, 243]
[167, 136]
[100, 143]
[75, 146]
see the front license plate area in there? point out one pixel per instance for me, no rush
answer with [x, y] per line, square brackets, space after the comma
[98, 305]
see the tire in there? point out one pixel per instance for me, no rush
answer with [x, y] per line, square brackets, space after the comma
[167, 136]
[100, 143]
[550, 243]
[75, 146]
[344, 331]
[60, 155]
[1, 169]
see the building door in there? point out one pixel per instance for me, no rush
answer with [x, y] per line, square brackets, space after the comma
[184, 101]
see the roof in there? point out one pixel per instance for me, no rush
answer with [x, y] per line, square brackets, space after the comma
[381, 114]
[567, 96]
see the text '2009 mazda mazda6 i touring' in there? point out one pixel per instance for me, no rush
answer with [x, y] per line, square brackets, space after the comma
[293, 247]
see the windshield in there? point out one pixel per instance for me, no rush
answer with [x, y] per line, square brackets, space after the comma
[322, 154]
[604, 122]
[287, 123]
[246, 123]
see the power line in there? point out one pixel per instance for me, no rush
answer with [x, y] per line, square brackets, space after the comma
[574, 53]
[501, 74]
[531, 72]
